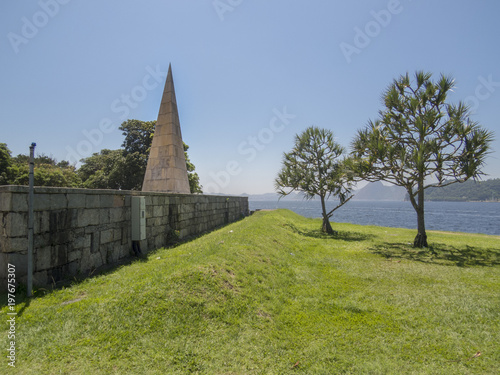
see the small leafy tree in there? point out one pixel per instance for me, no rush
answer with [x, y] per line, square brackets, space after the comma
[316, 167]
[5, 164]
[421, 141]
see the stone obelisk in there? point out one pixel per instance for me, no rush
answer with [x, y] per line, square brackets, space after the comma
[166, 170]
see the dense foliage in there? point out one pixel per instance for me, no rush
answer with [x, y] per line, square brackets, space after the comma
[421, 141]
[48, 172]
[108, 169]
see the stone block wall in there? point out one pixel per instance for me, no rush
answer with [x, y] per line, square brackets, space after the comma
[79, 230]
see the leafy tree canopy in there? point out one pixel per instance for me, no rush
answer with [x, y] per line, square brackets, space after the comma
[421, 141]
[48, 172]
[316, 167]
[5, 164]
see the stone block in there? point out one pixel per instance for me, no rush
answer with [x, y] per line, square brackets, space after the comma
[106, 200]
[88, 217]
[128, 200]
[95, 241]
[92, 201]
[117, 234]
[61, 220]
[97, 260]
[157, 211]
[75, 255]
[43, 258]
[16, 224]
[159, 242]
[41, 202]
[186, 216]
[116, 215]
[41, 240]
[20, 202]
[104, 216]
[59, 255]
[14, 245]
[118, 201]
[126, 249]
[76, 200]
[107, 236]
[82, 241]
[86, 261]
[125, 235]
[6, 202]
[127, 213]
[73, 268]
[64, 237]
[112, 255]
[41, 222]
[58, 201]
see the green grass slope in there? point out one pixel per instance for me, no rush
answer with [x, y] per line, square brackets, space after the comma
[271, 295]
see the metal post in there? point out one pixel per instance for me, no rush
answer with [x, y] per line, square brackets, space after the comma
[31, 219]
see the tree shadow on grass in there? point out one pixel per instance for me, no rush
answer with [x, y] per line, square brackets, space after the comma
[442, 254]
[340, 235]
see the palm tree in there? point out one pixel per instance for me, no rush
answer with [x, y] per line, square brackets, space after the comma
[421, 141]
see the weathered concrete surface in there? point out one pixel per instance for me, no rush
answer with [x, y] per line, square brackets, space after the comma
[78, 230]
[166, 170]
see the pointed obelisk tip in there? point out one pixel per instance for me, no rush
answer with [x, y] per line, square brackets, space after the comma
[166, 169]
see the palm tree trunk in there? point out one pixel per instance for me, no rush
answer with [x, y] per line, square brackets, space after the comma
[421, 238]
[326, 220]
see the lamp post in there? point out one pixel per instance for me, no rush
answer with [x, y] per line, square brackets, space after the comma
[31, 219]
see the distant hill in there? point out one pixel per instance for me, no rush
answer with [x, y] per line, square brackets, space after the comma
[274, 197]
[488, 190]
[372, 191]
[377, 191]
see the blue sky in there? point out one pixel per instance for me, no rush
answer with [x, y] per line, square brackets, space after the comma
[249, 75]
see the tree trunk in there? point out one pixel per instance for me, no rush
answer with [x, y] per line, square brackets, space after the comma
[421, 238]
[327, 227]
[326, 220]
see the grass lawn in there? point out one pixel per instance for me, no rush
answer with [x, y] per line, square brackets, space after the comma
[272, 295]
